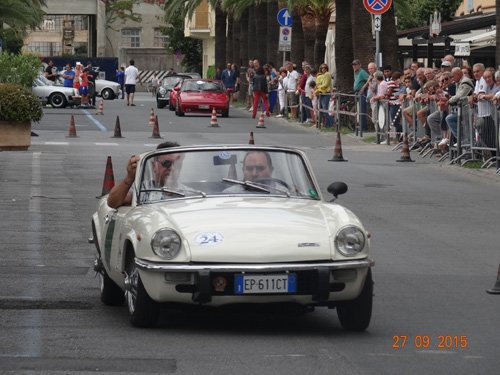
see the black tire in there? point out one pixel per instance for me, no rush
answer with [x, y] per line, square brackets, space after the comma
[178, 111]
[170, 106]
[57, 100]
[107, 94]
[160, 105]
[225, 113]
[143, 310]
[355, 315]
[111, 294]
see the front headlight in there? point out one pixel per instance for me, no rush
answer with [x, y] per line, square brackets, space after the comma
[162, 91]
[350, 240]
[166, 243]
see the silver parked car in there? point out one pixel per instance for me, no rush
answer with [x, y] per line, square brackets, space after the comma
[56, 96]
[108, 90]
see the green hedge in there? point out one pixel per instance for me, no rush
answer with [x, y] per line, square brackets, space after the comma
[20, 69]
[18, 104]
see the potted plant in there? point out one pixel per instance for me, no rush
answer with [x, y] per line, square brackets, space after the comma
[18, 108]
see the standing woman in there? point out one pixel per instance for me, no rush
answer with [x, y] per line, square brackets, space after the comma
[323, 90]
[260, 91]
[282, 85]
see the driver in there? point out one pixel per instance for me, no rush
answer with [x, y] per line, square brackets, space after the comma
[121, 194]
[257, 165]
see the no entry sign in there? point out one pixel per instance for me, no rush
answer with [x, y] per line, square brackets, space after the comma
[377, 6]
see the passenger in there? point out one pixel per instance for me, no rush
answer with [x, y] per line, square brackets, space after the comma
[121, 194]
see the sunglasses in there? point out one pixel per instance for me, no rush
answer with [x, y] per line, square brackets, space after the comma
[167, 164]
[258, 168]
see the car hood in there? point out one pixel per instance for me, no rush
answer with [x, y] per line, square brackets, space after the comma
[253, 230]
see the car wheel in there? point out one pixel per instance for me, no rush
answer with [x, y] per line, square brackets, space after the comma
[111, 294]
[57, 100]
[107, 94]
[355, 315]
[143, 310]
[225, 113]
[171, 107]
[160, 105]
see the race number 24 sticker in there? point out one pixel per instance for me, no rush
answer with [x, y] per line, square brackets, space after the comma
[208, 238]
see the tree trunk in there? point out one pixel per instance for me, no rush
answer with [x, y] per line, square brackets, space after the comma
[243, 21]
[309, 30]
[236, 42]
[363, 43]
[321, 26]
[220, 37]
[389, 47]
[497, 50]
[273, 31]
[260, 37]
[252, 46]
[229, 39]
[297, 52]
[343, 46]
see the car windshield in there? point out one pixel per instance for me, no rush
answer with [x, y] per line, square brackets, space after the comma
[43, 81]
[192, 85]
[196, 173]
[170, 82]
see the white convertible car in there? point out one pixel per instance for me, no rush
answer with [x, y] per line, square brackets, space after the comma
[232, 225]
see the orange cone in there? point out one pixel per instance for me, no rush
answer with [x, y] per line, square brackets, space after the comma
[118, 130]
[100, 110]
[337, 151]
[405, 151]
[72, 129]
[251, 141]
[109, 178]
[152, 118]
[260, 124]
[213, 119]
[156, 129]
[496, 287]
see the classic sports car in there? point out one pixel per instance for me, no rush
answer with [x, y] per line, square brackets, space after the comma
[201, 96]
[232, 225]
[108, 90]
[167, 84]
[56, 96]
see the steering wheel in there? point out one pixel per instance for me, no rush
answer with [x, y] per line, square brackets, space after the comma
[271, 180]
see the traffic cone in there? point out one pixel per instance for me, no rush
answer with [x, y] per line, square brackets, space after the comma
[118, 130]
[152, 118]
[109, 178]
[260, 124]
[100, 110]
[156, 129]
[72, 129]
[337, 151]
[251, 141]
[496, 287]
[405, 151]
[213, 119]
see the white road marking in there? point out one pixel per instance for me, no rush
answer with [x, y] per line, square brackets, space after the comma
[105, 144]
[57, 143]
[94, 120]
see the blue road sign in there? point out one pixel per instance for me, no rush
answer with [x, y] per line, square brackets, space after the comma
[284, 17]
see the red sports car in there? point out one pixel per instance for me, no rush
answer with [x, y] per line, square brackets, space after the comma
[201, 96]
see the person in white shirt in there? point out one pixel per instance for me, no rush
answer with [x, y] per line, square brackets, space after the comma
[131, 74]
[293, 77]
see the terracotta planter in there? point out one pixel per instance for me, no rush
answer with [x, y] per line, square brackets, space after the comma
[15, 135]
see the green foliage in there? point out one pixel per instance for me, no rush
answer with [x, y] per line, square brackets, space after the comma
[177, 42]
[20, 69]
[416, 13]
[19, 14]
[121, 10]
[12, 40]
[18, 104]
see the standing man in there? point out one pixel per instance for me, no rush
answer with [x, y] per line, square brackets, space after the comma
[249, 76]
[120, 78]
[370, 89]
[228, 77]
[49, 71]
[92, 76]
[131, 74]
[293, 77]
[69, 76]
[360, 78]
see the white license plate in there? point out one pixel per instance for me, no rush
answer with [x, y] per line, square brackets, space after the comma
[203, 106]
[257, 284]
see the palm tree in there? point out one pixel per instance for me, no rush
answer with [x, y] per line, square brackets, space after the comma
[343, 46]
[20, 14]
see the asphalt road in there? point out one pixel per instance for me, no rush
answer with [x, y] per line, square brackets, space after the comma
[434, 241]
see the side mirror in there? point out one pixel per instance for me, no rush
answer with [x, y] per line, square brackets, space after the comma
[337, 188]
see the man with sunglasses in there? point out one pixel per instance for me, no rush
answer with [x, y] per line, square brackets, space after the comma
[121, 194]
